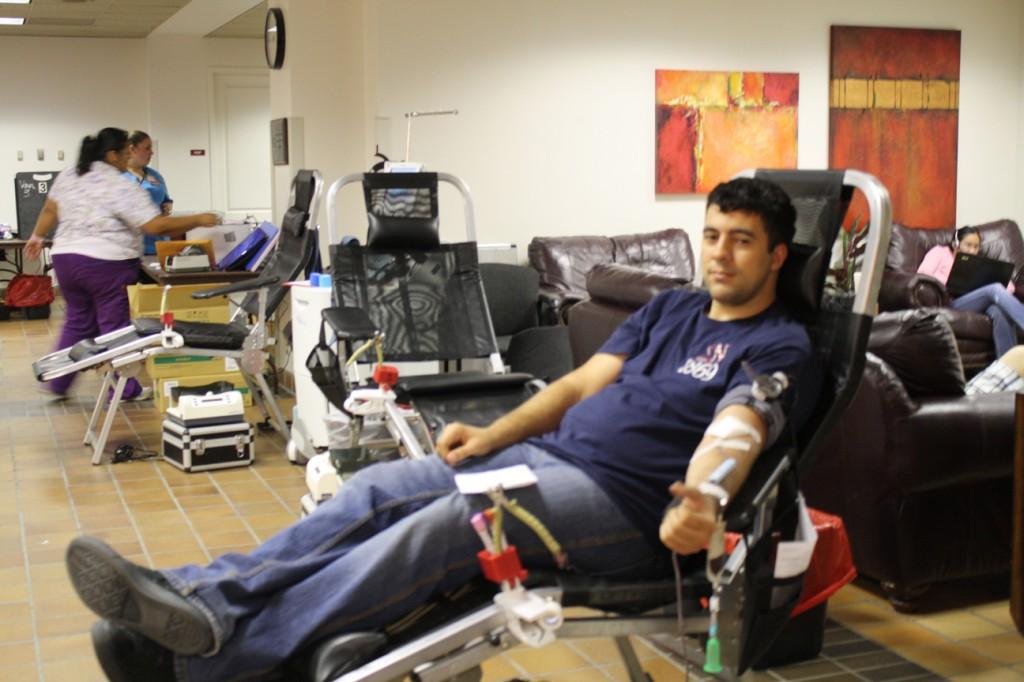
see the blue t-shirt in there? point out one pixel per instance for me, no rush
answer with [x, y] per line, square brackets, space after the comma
[153, 183]
[635, 437]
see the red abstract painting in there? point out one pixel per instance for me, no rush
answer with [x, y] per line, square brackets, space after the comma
[709, 125]
[894, 112]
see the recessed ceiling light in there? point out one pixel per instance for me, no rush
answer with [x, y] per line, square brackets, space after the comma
[12, 21]
[14, 2]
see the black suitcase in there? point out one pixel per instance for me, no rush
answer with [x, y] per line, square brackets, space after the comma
[205, 445]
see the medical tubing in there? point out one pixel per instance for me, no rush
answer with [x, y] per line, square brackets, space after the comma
[377, 341]
[539, 529]
[497, 535]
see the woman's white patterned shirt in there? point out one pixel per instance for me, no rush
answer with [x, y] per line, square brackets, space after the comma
[100, 213]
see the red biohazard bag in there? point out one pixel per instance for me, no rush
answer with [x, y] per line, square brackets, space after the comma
[26, 291]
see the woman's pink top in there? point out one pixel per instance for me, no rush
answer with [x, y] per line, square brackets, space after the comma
[938, 263]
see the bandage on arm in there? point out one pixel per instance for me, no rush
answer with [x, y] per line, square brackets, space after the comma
[728, 432]
[737, 432]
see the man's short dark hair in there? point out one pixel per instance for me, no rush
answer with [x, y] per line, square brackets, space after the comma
[762, 198]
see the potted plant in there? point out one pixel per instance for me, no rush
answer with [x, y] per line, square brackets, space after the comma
[853, 241]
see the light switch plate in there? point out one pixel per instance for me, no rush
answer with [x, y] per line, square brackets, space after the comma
[21, 155]
[40, 154]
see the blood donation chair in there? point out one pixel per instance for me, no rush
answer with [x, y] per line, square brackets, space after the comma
[723, 616]
[120, 354]
[424, 301]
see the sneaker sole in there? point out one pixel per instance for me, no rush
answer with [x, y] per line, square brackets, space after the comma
[112, 591]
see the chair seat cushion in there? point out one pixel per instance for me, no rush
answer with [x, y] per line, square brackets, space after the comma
[212, 335]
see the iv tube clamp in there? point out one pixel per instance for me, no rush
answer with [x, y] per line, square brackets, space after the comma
[530, 618]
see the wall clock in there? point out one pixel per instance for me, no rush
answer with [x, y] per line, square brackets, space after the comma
[273, 38]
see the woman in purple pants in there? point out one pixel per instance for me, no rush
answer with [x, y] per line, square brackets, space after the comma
[100, 217]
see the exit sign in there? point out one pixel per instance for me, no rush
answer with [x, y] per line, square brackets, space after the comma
[198, 152]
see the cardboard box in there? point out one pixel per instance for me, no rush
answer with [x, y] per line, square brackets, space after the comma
[162, 387]
[178, 366]
[144, 301]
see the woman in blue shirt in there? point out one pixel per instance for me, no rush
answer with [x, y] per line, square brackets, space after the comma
[140, 147]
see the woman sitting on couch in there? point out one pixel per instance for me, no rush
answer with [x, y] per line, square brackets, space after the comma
[996, 301]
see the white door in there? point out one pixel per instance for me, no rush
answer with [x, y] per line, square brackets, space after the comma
[240, 144]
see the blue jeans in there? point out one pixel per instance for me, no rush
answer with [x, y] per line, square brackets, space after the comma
[396, 535]
[1006, 311]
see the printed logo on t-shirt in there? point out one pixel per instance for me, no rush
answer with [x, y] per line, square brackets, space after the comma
[705, 367]
[152, 179]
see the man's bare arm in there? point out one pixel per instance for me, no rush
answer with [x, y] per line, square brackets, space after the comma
[538, 415]
[688, 527]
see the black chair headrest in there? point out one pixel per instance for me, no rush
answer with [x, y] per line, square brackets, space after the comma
[401, 210]
[820, 199]
[303, 188]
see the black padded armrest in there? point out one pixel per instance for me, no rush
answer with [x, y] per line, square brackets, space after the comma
[547, 307]
[349, 323]
[245, 285]
[460, 382]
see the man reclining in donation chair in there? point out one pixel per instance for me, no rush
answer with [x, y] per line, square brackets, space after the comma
[608, 443]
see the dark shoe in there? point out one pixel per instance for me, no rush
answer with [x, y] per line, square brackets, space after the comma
[127, 656]
[136, 597]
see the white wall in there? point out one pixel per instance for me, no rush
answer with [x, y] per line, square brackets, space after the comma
[556, 126]
[180, 71]
[57, 91]
[324, 81]
[65, 88]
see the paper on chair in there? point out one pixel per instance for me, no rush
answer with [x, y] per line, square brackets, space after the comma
[518, 476]
[792, 558]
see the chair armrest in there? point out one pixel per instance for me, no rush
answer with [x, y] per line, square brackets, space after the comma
[349, 323]
[554, 305]
[548, 303]
[244, 285]
[627, 285]
[901, 290]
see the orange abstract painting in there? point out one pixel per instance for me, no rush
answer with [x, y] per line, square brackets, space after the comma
[709, 125]
[894, 112]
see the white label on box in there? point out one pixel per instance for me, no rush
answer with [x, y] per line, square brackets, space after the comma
[168, 385]
[230, 365]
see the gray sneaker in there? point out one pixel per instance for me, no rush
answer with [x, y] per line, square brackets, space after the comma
[135, 597]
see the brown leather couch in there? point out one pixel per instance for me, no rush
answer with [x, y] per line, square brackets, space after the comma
[903, 288]
[920, 473]
[563, 262]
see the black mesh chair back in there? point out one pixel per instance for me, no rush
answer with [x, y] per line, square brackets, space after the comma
[430, 304]
[839, 336]
[401, 210]
[296, 247]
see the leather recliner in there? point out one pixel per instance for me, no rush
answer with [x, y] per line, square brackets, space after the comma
[920, 473]
[903, 288]
[563, 262]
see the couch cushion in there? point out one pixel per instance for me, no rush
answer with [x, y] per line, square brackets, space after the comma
[563, 262]
[920, 347]
[627, 286]
[666, 252]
